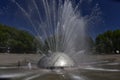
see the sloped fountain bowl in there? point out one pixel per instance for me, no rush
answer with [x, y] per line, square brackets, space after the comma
[55, 60]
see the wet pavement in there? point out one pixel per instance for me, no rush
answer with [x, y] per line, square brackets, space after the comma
[101, 71]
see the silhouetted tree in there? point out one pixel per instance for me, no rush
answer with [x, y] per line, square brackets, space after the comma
[108, 42]
[16, 41]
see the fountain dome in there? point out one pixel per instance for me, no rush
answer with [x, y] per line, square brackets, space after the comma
[55, 60]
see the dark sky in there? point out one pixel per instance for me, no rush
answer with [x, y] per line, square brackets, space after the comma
[11, 15]
[110, 14]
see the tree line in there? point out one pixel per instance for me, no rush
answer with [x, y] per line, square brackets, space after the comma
[108, 42]
[13, 40]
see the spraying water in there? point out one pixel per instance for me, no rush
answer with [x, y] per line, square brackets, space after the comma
[59, 24]
[61, 29]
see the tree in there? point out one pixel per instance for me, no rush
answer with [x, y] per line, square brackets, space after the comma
[108, 42]
[17, 41]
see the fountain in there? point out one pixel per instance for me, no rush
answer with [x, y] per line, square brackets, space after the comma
[55, 60]
[61, 28]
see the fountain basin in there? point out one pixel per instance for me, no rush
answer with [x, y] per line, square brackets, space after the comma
[55, 61]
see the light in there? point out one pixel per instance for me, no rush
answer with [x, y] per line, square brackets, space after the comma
[62, 63]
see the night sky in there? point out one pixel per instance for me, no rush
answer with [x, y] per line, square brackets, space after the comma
[10, 15]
